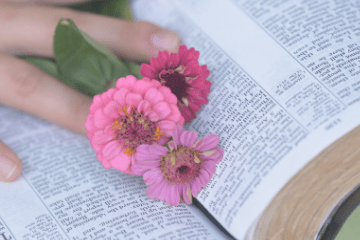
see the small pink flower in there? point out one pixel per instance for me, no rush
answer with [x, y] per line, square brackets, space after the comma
[133, 113]
[179, 170]
[181, 73]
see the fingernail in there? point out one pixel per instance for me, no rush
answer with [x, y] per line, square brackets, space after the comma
[166, 40]
[7, 167]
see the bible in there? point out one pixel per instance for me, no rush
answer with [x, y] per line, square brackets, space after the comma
[284, 101]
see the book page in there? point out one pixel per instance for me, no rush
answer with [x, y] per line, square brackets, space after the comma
[284, 87]
[65, 193]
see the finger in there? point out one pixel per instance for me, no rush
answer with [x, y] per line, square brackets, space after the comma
[34, 91]
[29, 29]
[10, 164]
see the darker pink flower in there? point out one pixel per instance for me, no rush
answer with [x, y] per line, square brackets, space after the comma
[133, 113]
[181, 73]
[178, 170]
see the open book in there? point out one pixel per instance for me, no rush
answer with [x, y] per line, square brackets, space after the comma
[285, 102]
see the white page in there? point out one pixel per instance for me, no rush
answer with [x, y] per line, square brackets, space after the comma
[272, 113]
[65, 193]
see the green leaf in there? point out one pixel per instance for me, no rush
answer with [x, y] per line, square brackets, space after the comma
[47, 65]
[111, 8]
[93, 6]
[118, 8]
[134, 69]
[84, 63]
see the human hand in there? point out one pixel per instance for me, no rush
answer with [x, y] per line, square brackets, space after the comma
[27, 29]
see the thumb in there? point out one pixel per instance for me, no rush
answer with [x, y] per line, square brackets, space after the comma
[10, 164]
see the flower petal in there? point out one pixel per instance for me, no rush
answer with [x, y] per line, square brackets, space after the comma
[173, 60]
[147, 71]
[111, 150]
[181, 121]
[121, 162]
[154, 96]
[108, 95]
[146, 79]
[175, 114]
[216, 158]
[165, 191]
[197, 96]
[162, 109]
[157, 149]
[173, 196]
[192, 68]
[100, 119]
[220, 150]
[163, 140]
[187, 55]
[172, 145]
[202, 84]
[112, 109]
[126, 82]
[166, 124]
[211, 154]
[193, 105]
[167, 133]
[101, 137]
[163, 58]
[129, 171]
[153, 176]
[141, 169]
[204, 176]
[89, 123]
[140, 156]
[120, 96]
[209, 167]
[106, 164]
[154, 190]
[195, 186]
[133, 99]
[150, 152]
[133, 162]
[204, 72]
[152, 116]
[186, 194]
[97, 103]
[207, 143]
[156, 83]
[168, 95]
[177, 133]
[187, 114]
[142, 86]
[151, 164]
[143, 107]
[144, 148]
[188, 138]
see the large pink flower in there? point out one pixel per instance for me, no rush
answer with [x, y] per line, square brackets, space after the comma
[182, 73]
[133, 113]
[178, 170]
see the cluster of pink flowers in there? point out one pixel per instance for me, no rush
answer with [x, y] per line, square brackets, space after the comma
[137, 127]
[181, 73]
[178, 170]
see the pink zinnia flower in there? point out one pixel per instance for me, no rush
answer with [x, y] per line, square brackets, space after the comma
[133, 113]
[181, 73]
[179, 170]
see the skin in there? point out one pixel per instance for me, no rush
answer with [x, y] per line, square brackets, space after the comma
[27, 28]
